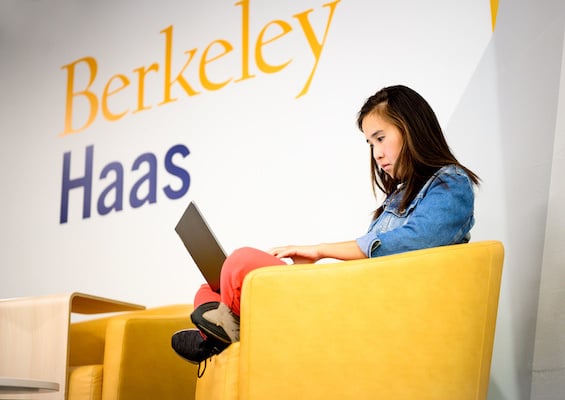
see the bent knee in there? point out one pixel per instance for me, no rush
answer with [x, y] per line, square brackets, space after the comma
[244, 252]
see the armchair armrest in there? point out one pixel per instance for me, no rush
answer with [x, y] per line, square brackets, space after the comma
[396, 326]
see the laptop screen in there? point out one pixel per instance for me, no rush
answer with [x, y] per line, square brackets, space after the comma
[202, 245]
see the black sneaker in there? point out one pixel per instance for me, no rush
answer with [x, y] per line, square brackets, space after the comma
[212, 329]
[190, 345]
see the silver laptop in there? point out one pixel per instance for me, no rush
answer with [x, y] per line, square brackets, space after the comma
[202, 245]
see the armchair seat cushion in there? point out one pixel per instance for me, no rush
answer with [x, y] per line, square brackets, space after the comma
[85, 382]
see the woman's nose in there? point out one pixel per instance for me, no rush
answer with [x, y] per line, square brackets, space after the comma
[377, 154]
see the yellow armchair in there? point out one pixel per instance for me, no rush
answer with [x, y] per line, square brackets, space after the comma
[129, 357]
[418, 325]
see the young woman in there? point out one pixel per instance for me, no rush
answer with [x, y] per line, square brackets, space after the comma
[429, 202]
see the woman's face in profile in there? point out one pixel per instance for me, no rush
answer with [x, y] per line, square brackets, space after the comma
[385, 140]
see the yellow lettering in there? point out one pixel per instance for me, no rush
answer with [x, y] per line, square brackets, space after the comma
[261, 63]
[71, 94]
[84, 101]
[107, 93]
[141, 73]
[206, 83]
[179, 78]
[315, 45]
[244, 41]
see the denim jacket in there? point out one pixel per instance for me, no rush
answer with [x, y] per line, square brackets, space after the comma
[440, 214]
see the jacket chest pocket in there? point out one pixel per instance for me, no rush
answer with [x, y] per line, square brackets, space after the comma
[392, 217]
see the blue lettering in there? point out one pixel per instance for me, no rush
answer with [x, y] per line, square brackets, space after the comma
[143, 191]
[68, 184]
[117, 187]
[177, 171]
[150, 177]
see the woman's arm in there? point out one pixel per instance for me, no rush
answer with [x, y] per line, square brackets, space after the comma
[310, 254]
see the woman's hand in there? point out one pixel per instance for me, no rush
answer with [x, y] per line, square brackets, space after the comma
[310, 254]
[298, 254]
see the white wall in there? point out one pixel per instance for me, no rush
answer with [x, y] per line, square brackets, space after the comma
[266, 167]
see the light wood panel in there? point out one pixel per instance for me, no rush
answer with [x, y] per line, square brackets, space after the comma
[34, 335]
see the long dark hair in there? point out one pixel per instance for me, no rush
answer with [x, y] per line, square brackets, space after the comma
[424, 149]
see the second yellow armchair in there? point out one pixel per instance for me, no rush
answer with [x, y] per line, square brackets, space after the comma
[129, 357]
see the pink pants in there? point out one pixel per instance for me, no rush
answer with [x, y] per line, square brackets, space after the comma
[236, 266]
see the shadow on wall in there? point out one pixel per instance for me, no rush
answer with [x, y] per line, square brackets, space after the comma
[528, 67]
[494, 392]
